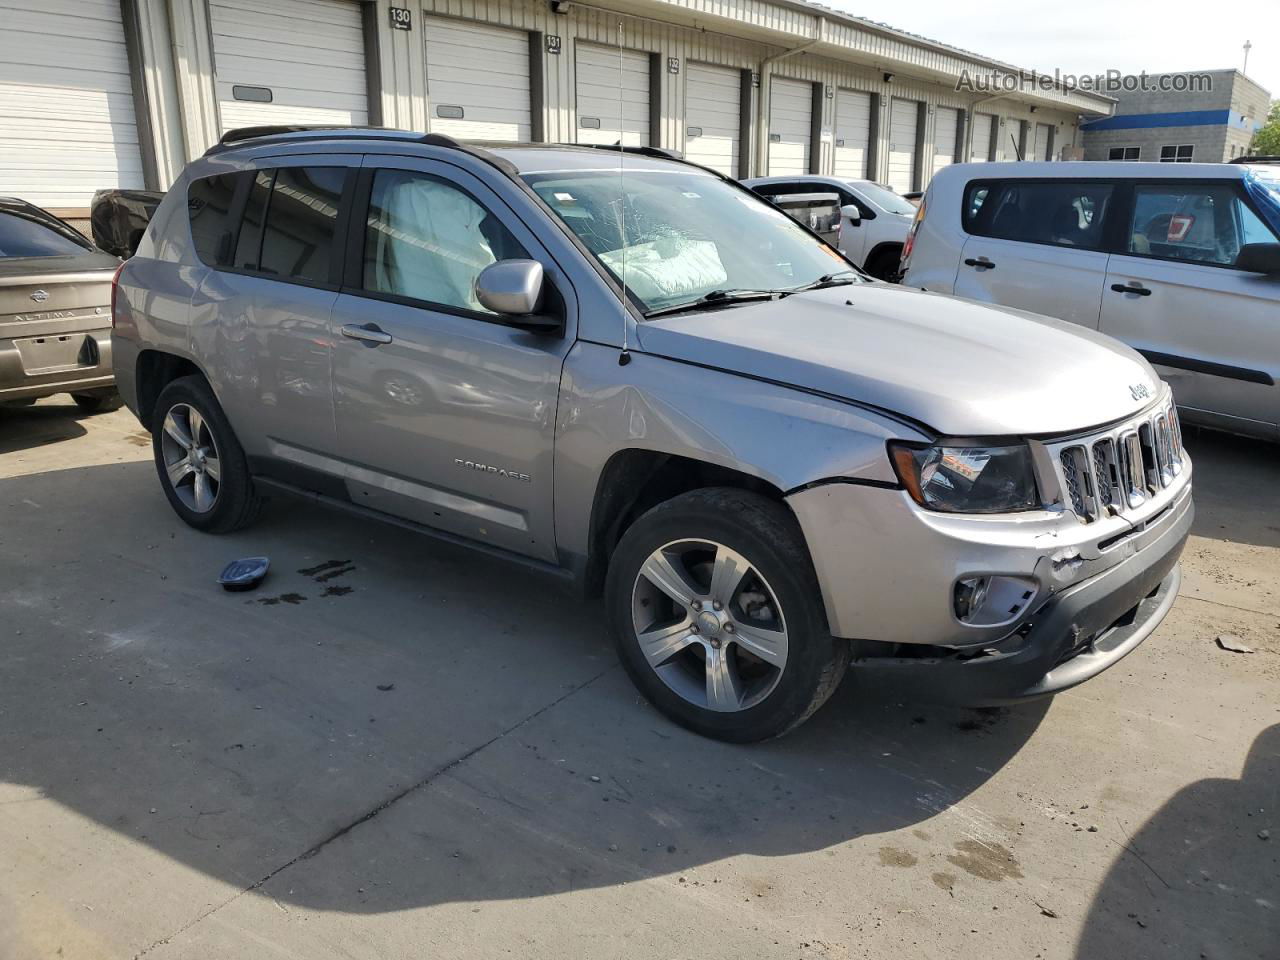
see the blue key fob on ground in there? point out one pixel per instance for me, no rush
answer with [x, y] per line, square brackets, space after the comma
[244, 574]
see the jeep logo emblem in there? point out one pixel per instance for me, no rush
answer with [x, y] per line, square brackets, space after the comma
[1139, 391]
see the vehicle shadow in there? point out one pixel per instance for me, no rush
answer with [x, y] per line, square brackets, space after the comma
[22, 428]
[1228, 470]
[387, 700]
[1202, 876]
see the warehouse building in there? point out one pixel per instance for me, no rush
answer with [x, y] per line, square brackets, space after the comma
[122, 93]
[1203, 117]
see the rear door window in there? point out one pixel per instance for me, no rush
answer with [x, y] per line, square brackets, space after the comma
[302, 217]
[1054, 213]
[249, 242]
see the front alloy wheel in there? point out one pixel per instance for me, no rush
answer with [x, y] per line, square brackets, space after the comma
[709, 624]
[718, 617]
[191, 458]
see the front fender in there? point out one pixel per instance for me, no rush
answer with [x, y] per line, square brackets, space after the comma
[786, 437]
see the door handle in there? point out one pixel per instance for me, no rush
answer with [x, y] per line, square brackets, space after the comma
[1131, 288]
[980, 262]
[367, 333]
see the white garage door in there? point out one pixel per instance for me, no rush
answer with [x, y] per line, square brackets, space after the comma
[67, 125]
[1044, 140]
[712, 118]
[853, 134]
[902, 144]
[613, 95]
[477, 80]
[290, 61]
[946, 129]
[790, 126]
[984, 128]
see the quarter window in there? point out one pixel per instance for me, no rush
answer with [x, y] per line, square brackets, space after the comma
[1176, 153]
[1198, 223]
[428, 240]
[1124, 153]
[1059, 214]
[209, 201]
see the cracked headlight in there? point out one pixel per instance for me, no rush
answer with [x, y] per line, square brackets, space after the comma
[956, 479]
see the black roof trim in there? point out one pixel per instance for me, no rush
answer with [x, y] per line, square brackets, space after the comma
[288, 133]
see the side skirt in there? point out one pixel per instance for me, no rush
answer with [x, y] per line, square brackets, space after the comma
[538, 566]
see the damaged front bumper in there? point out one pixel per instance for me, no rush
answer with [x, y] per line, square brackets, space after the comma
[888, 569]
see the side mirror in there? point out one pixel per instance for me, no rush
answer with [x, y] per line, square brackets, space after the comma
[851, 213]
[1259, 258]
[514, 288]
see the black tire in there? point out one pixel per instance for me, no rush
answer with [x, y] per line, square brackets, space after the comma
[883, 264]
[98, 402]
[767, 535]
[236, 501]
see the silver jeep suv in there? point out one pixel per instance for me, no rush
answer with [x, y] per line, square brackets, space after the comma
[629, 372]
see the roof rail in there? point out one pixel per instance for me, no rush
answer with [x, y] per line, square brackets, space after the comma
[295, 133]
[242, 135]
[1261, 158]
[660, 152]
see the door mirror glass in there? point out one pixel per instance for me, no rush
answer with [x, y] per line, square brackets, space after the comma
[851, 213]
[511, 287]
[1259, 258]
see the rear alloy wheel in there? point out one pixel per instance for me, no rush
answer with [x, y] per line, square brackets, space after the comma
[718, 616]
[202, 469]
[191, 459]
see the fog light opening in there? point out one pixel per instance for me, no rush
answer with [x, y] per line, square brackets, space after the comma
[988, 600]
[969, 596]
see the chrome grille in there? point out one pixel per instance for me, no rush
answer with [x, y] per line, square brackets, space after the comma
[1122, 469]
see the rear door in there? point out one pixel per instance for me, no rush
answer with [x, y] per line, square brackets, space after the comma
[260, 318]
[1036, 245]
[445, 414]
[1172, 292]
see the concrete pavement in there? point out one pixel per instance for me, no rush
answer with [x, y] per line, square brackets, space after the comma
[395, 748]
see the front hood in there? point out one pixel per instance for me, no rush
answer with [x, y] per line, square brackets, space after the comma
[959, 367]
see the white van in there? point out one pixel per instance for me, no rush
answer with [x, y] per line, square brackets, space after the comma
[1180, 261]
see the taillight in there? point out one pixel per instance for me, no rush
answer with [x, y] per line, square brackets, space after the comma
[911, 238]
[115, 286]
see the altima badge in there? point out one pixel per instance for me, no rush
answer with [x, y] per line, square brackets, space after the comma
[40, 296]
[1139, 391]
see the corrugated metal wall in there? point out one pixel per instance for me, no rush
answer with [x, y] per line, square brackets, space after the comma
[740, 34]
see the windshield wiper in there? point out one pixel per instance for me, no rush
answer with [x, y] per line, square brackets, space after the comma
[827, 280]
[717, 298]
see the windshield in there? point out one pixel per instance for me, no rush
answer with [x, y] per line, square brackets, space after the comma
[679, 235]
[23, 236]
[886, 199]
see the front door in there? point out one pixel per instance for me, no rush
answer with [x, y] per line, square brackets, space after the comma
[1173, 293]
[1036, 245]
[445, 413]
